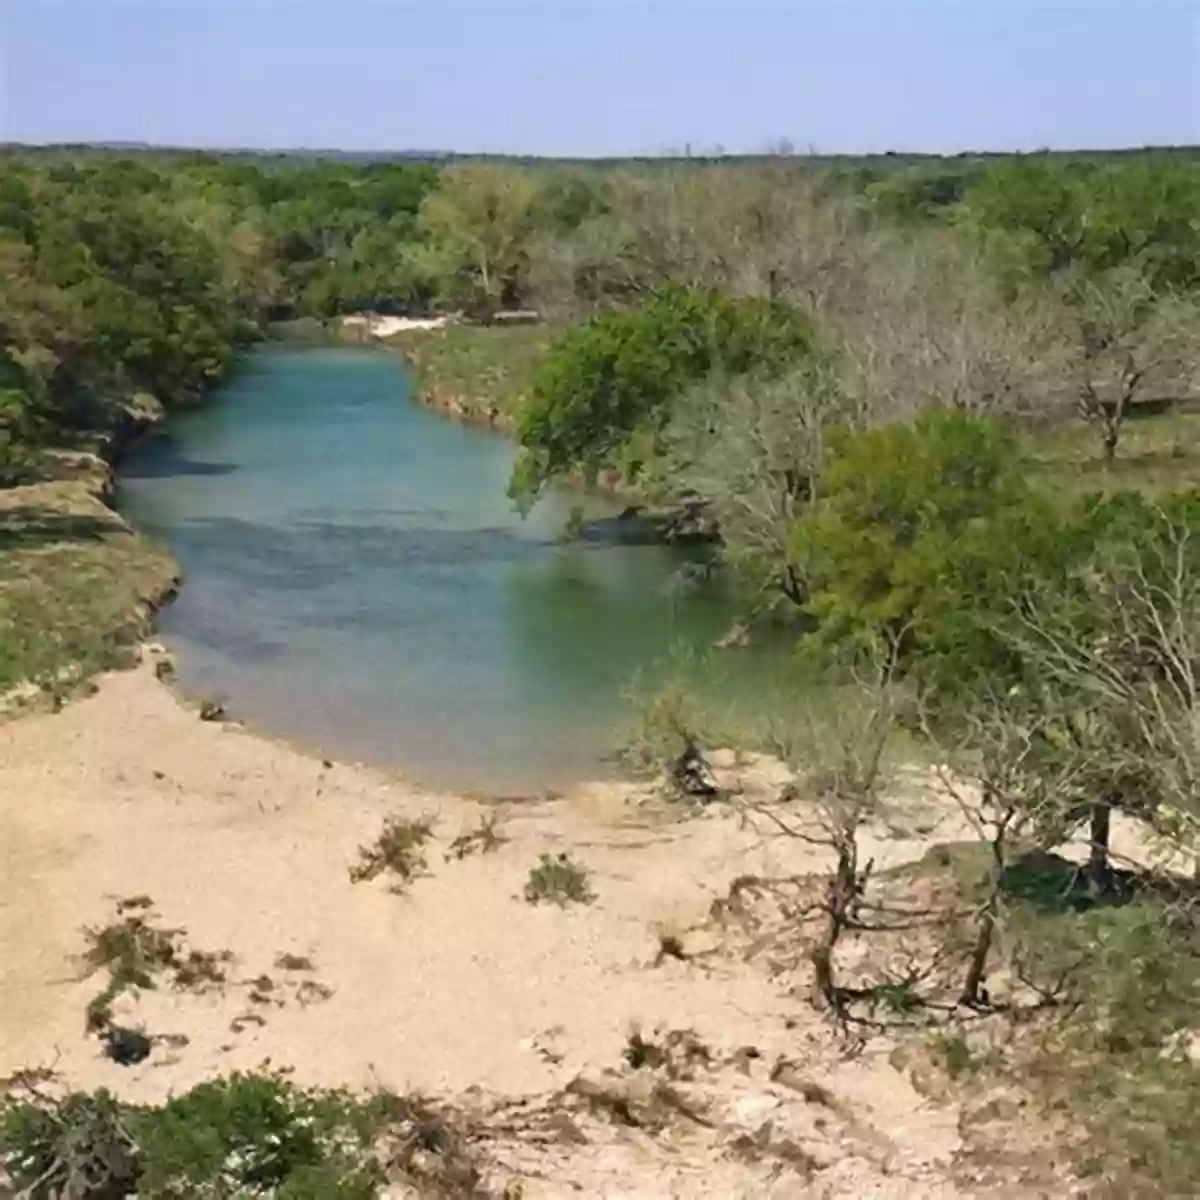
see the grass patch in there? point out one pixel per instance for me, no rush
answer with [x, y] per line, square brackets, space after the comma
[399, 850]
[480, 370]
[246, 1135]
[77, 586]
[557, 880]
[1158, 452]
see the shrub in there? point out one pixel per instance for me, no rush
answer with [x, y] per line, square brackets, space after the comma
[245, 1135]
[246, 1131]
[485, 838]
[81, 1147]
[557, 879]
[1127, 978]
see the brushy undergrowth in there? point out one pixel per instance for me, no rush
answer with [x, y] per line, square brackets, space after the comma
[399, 850]
[557, 880]
[1099, 1018]
[257, 1134]
[1123, 1056]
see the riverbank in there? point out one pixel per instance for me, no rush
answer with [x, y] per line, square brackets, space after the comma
[79, 587]
[510, 1011]
[475, 373]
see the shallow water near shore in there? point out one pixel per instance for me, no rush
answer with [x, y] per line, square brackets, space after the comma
[356, 579]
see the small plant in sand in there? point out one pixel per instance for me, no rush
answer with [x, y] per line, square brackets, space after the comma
[486, 838]
[560, 881]
[678, 1052]
[399, 849]
[136, 952]
[286, 961]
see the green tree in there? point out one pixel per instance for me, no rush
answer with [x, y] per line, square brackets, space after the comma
[607, 388]
[920, 533]
[1044, 215]
[477, 224]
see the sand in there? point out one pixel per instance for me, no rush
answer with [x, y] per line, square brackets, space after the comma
[458, 988]
[379, 325]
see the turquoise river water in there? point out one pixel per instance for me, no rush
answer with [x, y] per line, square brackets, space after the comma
[356, 578]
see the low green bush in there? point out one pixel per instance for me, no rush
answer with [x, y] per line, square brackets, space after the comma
[560, 881]
[244, 1135]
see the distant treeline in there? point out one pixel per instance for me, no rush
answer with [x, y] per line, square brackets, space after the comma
[127, 272]
[886, 161]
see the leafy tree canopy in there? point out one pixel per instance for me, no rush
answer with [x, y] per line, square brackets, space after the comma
[921, 532]
[615, 377]
[1043, 216]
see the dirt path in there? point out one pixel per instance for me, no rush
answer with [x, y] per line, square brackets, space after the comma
[459, 988]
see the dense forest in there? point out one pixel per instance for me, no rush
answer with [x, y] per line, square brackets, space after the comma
[846, 376]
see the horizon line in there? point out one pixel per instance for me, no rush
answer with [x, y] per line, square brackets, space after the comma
[666, 154]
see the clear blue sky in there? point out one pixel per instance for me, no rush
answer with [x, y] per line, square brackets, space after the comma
[603, 76]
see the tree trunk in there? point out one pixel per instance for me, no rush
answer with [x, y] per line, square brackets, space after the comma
[842, 889]
[792, 587]
[488, 308]
[985, 934]
[1099, 871]
[972, 992]
[822, 961]
[1112, 435]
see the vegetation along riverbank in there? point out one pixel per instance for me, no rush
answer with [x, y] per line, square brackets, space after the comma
[937, 935]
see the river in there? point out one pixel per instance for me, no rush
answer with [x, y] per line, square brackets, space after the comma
[356, 579]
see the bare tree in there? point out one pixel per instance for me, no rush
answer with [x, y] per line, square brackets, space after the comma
[747, 453]
[1127, 345]
[1127, 654]
[919, 320]
[913, 319]
[840, 765]
[769, 230]
[1012, 780]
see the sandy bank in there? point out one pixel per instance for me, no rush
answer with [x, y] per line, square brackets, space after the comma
[459, 988]
[377, 325]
